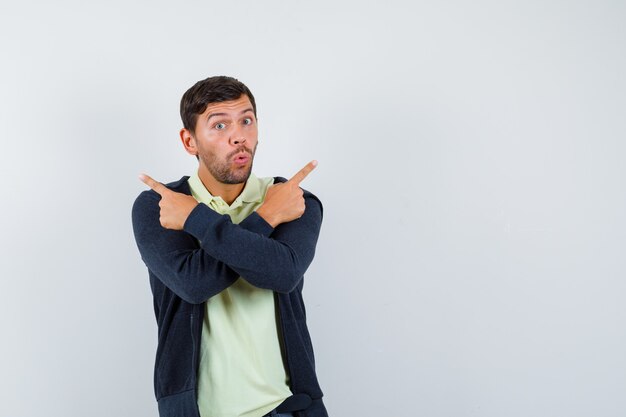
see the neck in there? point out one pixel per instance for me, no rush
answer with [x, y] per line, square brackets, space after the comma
[228, 192]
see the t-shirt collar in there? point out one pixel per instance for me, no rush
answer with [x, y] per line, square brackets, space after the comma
[251, 192]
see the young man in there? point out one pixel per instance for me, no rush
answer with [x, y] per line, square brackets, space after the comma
[226, 253]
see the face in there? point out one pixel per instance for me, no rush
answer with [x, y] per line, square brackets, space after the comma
[225, 140]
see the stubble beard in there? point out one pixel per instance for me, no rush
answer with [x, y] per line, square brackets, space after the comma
[222, 171]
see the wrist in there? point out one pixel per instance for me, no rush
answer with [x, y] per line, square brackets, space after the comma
[188, 211]
[268, 216]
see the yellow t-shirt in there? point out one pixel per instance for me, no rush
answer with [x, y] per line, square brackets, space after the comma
[241, 366]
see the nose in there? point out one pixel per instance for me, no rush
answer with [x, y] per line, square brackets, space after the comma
[237, 138]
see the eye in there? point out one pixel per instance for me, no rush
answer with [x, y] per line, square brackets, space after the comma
[220, 126]
[247, 121]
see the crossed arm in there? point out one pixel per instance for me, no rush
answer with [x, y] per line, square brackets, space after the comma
[271, 248]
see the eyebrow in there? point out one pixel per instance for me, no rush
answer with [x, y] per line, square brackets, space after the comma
[226, 114]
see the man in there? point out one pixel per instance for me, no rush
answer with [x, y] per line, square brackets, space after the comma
[226, 253]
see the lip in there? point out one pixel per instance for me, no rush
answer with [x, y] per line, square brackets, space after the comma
[241, 159]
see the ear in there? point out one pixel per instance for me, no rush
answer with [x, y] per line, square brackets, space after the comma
[189, 142]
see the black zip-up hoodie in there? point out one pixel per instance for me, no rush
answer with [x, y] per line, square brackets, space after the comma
[187, 267]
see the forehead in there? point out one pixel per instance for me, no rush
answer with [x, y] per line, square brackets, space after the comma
[232, 106]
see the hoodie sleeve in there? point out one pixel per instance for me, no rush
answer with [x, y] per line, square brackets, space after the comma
[274, 259]
[176, 258]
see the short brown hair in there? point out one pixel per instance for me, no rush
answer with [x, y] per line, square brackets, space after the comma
[211, 90]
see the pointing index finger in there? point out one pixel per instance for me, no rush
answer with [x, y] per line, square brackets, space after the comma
[302, 174]
[155, 185]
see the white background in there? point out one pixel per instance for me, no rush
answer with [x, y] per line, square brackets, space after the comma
[471, 168]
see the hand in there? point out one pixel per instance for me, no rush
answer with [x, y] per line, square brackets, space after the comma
[175, 207]
[284, 202]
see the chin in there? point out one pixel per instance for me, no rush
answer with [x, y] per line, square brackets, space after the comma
[237, 179]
